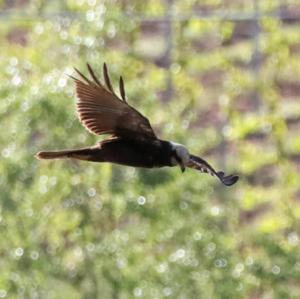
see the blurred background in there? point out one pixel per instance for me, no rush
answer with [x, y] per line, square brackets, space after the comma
[221, 77]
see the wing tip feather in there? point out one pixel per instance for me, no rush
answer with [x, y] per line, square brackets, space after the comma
[96, 80]
[107, 79]
[122, 89]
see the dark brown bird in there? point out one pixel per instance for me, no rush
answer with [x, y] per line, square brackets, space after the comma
[132, 141]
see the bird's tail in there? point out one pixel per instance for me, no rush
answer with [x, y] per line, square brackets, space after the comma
[80, 154]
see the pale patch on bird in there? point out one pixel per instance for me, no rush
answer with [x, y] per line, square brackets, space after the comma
[181, 155]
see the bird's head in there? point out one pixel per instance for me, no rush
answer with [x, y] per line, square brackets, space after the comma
[180, 155]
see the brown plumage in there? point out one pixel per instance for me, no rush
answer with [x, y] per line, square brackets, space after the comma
[132, 140]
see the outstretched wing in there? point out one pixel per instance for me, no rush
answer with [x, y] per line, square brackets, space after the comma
[101, 111]
[201, 165]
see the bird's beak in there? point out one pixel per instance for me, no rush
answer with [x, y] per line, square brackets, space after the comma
[182, 167]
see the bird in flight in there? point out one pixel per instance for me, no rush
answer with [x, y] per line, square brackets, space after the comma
[132, 141]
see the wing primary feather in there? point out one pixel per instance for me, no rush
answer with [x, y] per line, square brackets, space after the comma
[93, 75]
[106, 78]
[82, 76]
[122, 89]
[73, 78]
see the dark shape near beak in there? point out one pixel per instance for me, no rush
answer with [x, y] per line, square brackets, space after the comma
[182, 167]
[181, 164]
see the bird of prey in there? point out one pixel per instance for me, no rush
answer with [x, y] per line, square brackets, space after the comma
[132, 141]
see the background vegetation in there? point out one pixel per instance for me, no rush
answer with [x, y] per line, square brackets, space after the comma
[221, 77]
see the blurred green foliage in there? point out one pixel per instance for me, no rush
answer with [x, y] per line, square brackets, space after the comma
[82, 230]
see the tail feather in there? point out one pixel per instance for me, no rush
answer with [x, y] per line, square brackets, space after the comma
[81, 154]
